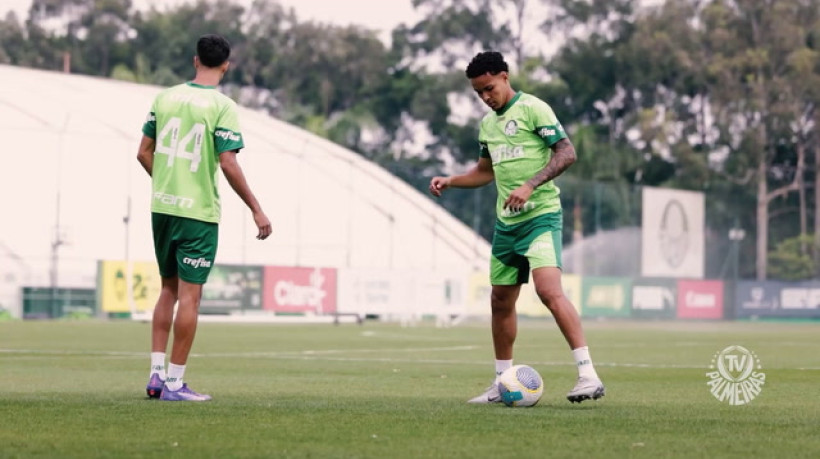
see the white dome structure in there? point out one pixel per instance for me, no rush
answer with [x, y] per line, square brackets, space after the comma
[71, 175]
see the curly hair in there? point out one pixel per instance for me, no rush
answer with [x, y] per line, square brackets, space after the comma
[213, 50]
[491, 62]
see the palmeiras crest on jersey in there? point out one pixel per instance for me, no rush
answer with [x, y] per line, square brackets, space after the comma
[733, 377]
[511, 128]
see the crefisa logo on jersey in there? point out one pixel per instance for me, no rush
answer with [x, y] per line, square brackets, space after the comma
[733, 378]
[227, 135]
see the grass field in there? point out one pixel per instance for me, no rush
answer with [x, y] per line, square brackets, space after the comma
[76, 389]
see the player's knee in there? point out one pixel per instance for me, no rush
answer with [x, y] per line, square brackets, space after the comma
[502, 304]
[550, 298]
[169, 294]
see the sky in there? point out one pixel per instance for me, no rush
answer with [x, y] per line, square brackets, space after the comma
[380, 15]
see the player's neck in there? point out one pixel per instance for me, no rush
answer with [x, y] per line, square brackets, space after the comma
[207, 77]
[510, 96]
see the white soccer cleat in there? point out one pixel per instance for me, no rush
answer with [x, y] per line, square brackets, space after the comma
[586, 389]
[491, 395]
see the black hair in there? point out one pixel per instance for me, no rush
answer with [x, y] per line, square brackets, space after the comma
[491, 62]
[212, 50]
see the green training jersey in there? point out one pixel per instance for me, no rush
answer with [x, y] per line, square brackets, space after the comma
[517, 140]
[192, 124]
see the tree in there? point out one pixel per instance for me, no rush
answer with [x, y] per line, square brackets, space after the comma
[13, 43]
[88, 30]
[169, 37]
[793, 259]
[756, 106]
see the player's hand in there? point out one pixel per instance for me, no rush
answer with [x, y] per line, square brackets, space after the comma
[263, 224]
[439, 184]
[516, 200]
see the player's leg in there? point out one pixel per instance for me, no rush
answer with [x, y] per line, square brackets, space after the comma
[163, 316]
[543, 250]
[504, 321]
[186, 321]
[504, 325]
[184, 331]
[195, 255]
[185, 325]
[547, 282]
[507, 272]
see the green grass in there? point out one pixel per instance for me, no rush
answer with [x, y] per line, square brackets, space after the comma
[76, 389]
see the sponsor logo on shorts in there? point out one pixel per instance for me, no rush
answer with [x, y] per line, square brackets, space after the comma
[197, 262]
[540, 247]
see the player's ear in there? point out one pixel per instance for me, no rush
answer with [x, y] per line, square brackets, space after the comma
[225, 66]
[196, 62]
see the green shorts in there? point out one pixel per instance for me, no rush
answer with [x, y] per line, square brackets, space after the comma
[184, 247]
[531, 244]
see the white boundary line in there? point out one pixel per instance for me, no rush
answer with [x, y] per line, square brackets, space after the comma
[330, 355]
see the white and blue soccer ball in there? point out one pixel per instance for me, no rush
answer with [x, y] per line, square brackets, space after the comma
[520, 385]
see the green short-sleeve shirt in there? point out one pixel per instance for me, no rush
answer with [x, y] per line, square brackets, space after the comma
[192, 124]
[517, 139]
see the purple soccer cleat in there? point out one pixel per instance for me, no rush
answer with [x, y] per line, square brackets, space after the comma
[183, 395]
[154, 387]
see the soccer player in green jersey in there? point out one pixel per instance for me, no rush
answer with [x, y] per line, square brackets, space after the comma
[192, 129]
[523, 148]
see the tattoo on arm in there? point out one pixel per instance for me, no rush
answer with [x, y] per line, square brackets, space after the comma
[563, 155]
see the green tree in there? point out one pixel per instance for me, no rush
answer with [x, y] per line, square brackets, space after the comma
[89, 31]
[755, 100]
[791, 260]
[169, 37]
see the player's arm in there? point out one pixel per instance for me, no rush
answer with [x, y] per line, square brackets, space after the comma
[236, 178]
[550, 130]
[563, 156]
[145, 154]
[478, 176]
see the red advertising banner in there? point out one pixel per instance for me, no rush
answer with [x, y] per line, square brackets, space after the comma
[299, 290]
[700, 299]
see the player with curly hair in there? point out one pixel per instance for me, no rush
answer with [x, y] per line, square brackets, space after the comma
[523, 147]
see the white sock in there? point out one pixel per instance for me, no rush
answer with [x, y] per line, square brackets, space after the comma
[158, 364]
[500, 366]
[584, 363]
[174, 380]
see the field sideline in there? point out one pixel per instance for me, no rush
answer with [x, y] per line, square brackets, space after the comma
[76, 389]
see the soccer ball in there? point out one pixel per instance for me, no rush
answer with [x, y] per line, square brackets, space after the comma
[520, 385]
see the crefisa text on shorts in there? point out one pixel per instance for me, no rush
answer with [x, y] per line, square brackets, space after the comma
[733, 377]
